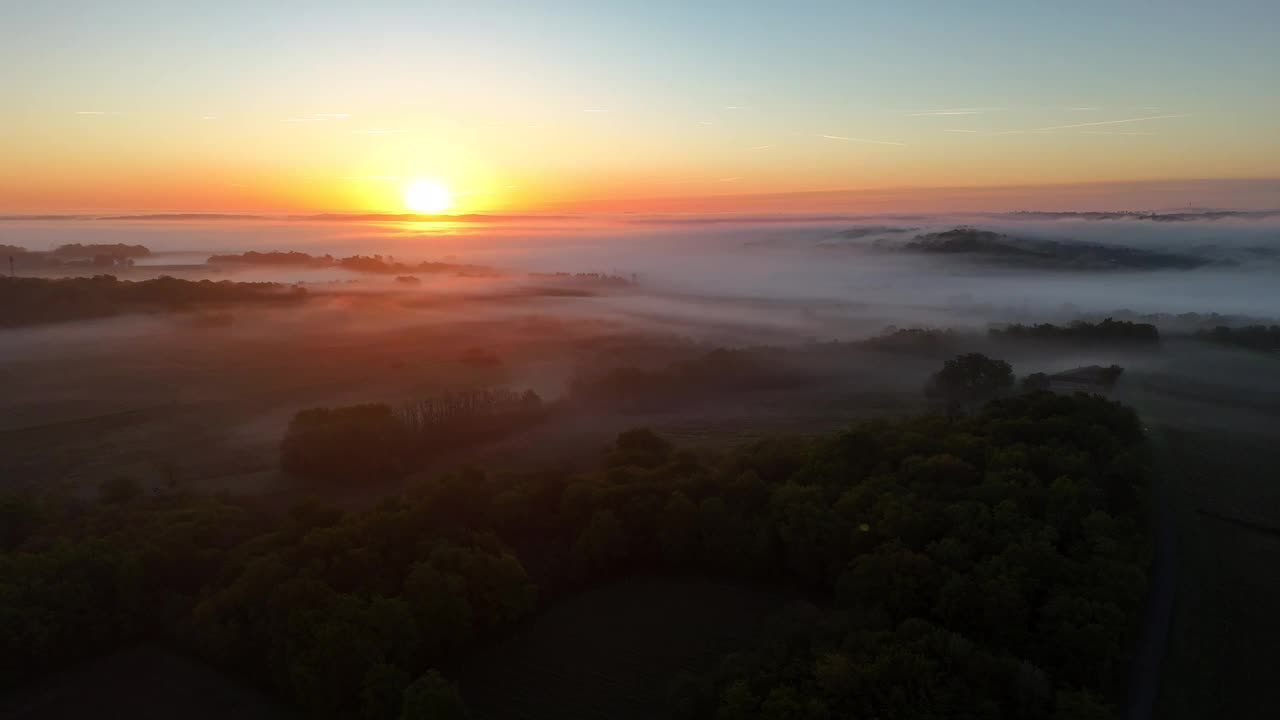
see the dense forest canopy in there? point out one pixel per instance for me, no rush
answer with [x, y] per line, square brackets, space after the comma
[990, 566]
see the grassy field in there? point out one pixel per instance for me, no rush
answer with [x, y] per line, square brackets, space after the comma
[614, 652]
[1215, 418]
[1220, 660]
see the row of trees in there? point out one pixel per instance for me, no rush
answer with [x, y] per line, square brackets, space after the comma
[988, 565]
[31, 301]
[1108, 331]
[355, 263]
[1253, 337]
[373, 441]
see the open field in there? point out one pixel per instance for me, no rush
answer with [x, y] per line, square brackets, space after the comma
[1220, 659]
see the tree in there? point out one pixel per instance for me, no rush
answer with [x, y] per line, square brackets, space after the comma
[678, 528]
[603, 544]
[383, 692]
[968, 380]
[431, 697]
[1036, 382]
[356, 442]
[641, 447]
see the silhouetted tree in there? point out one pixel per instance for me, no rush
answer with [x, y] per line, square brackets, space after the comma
[431, 697]
[968, 380]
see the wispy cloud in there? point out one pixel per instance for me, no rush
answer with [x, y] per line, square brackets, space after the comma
[369, 177]
[1104, 132]
[1108, 122]
[90, 112]
[761, 147]
[333, 115]
[1082, 109]
[732, 107]
[731, 179]
[375, 132]
[595, 110]
[208, 117]
[304, 120]
[949, 111]
[862, 140]
[705, 122]
[958, 131]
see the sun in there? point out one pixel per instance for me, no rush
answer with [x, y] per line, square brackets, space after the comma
[426, 196]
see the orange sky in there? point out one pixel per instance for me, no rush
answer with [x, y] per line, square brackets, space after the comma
[140, 106]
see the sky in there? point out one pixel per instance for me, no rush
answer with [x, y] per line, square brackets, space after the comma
[338, 106]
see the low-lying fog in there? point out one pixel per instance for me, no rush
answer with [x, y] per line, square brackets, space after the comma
[211, 392]
[830, 265]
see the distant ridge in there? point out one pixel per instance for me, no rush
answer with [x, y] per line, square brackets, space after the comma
[1144, 215]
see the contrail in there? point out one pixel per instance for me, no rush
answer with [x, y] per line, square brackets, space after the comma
[861, 140]
[760, 147]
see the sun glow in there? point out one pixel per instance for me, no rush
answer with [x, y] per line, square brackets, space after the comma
[423, 195]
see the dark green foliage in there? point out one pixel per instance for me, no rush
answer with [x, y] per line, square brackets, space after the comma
[1254, 337]
[988, 566]
[356, 443]
[373, 442]
[1107, 332]
[1089, 375]
[968, 380]
[431, 697]
[640, 448]
[383, 694]
[921, 340]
